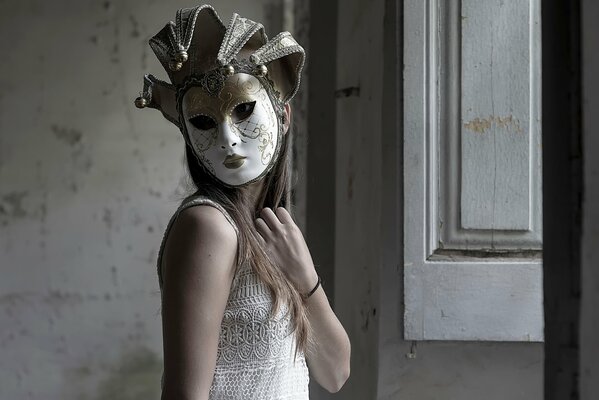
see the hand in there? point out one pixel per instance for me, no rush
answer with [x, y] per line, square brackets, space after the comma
[286, 246]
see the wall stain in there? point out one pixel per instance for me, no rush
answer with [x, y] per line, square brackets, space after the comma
[107, 218]
[52, 298]
[365, 314]
[136, 376]
[350, 179]
[144, 58]
[13, 299]
[11, 204]
[480, 125]
[115, 53]
[58, 297]
[114, 275]
[137, 220]
[154, 193]
[152, 256]
[134, 27]
[70, 136]
[348, 92]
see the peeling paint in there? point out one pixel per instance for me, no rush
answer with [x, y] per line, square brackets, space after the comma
[480, 125]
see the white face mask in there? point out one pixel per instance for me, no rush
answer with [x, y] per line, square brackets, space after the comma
[235, 134]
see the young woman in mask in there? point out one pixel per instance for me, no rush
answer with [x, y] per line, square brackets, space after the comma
[244, 314]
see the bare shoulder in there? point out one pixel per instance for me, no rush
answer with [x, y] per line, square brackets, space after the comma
[197, 271]
[206, 219]
[201, 241]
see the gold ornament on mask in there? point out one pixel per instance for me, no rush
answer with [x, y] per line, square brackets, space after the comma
[228, 70]
[181, 56]
[141, 102]
[261, 70]
[175, 65]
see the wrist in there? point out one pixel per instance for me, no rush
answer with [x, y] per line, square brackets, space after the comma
[307, 295]
[307, 281]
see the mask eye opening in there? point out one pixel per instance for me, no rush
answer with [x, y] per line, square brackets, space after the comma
[203, 122]
[243, 111]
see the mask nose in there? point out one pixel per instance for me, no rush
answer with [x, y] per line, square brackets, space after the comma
[228, 138]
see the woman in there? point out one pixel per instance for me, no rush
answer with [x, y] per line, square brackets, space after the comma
[244, 314]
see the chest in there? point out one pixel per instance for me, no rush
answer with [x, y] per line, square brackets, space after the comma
[248, 331]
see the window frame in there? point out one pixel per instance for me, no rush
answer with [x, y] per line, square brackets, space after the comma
[460, 295]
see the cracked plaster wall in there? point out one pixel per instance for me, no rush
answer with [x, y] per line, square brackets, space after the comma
[87, 184]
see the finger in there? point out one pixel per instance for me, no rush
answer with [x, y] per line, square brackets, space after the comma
[261, 240]
[270, 218]
[284, 216]
[263, 228]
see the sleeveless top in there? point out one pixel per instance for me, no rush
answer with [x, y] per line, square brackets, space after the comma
[256, 353]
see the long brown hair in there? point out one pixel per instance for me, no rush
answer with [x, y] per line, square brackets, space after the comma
[275, 193]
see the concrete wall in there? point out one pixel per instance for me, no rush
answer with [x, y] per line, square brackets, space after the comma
[589, 327]
[87, 184]
[368, 256]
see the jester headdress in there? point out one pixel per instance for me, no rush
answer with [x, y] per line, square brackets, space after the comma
[199, 51]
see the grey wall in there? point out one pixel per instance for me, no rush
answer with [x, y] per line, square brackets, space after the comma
[87, 184]
[589, 327]
[368, 236]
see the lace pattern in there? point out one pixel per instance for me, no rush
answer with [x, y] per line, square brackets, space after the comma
[256, 352]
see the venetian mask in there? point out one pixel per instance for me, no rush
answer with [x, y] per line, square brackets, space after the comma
[235, 135]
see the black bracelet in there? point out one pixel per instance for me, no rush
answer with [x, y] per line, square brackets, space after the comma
[314, 289]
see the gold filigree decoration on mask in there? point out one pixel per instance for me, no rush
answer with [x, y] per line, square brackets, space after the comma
[265, 141]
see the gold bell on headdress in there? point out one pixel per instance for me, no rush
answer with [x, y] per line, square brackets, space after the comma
[229, 70]
[261, 70]
[181, 56]
[141, 102]
[175, 65]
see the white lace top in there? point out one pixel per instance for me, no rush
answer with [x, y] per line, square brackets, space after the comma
[255, 355]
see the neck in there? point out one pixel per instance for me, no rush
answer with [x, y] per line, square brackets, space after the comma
[254, 190]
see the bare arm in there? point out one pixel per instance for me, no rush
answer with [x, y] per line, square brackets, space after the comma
[199, 267]
[329, 356]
